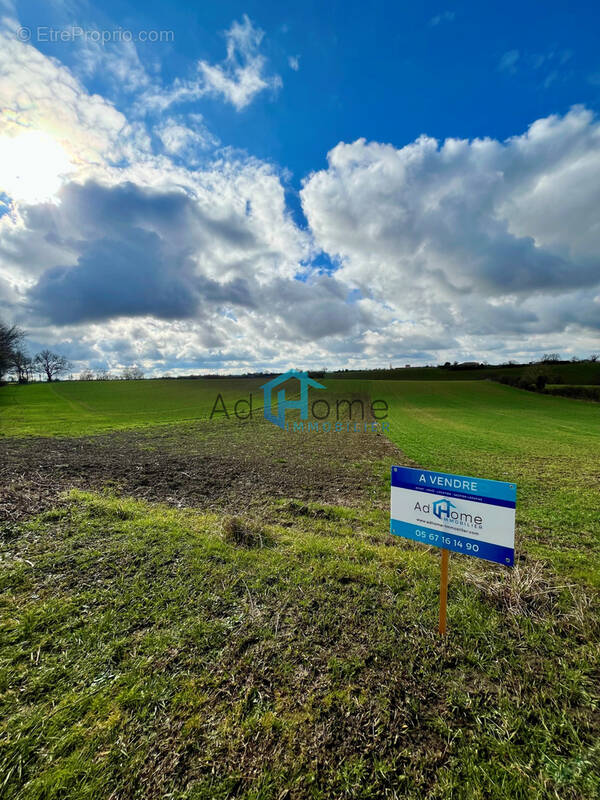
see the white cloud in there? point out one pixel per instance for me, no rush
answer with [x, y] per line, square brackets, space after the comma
[241, 76]
[178, 138]
[80, 153]
[475, 236]
[38, 94]
[187, 259]
[294, 62]
[238, 79]
[544, 69]
[445, 16]
[508, 61]
[117, 61]
[8, 7]
[219, 263]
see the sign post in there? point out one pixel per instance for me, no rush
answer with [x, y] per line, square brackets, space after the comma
[474, 516]
[443, 592]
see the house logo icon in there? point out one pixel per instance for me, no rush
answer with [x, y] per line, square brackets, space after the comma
[282, 404]
[441, 508]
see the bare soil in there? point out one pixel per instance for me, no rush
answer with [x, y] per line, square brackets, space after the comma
[210, 465]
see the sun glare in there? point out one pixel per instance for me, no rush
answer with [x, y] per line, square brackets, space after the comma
[34, 166]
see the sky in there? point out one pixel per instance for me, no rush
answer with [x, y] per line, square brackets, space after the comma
[232, 187]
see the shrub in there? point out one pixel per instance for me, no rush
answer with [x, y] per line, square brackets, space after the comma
[577, 392]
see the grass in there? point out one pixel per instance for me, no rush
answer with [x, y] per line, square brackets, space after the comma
[146, 653]
[290, 651]
[77, 408]
[548, 445]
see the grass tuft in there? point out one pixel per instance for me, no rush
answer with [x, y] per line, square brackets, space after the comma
[244, 533]
[527, 589]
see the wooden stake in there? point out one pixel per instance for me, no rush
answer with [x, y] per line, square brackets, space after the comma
[443, 592]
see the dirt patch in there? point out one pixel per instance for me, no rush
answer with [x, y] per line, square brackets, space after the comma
[218, 465]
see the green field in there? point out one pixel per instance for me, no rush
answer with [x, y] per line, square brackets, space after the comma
[75, 408]
[151, 651]
[549, 445]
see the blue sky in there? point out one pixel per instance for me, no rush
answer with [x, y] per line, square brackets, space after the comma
[383, 71]
[397, 164]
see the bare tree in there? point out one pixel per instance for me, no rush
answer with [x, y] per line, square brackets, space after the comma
[86, 375]
[52, 364]
[132, 374]
[22, 366]
[594, 357]
[11, 337]
[549, 358]
[102, 374]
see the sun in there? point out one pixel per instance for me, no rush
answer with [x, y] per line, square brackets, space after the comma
[34, 166]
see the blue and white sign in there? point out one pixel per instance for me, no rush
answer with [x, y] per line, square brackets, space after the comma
[467, 515]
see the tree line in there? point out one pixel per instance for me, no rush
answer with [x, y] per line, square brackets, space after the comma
[15, 361]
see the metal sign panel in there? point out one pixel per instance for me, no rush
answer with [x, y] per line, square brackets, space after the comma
[474, 516]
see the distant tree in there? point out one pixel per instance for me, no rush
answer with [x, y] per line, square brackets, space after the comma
[11, 339]
[102, 375]
[21, 365]
[594, 357]
[51, 364]
[132, 374]
[86, 375]
[549, 358]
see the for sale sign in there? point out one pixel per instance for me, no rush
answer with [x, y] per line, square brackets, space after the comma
[475, 516]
